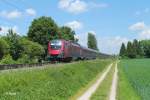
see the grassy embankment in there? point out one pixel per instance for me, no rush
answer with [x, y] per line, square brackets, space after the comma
[49, 83]
[102, 93]
[134, 80]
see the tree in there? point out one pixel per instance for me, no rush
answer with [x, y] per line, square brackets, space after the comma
[66, 33]
[14, 42]
[141, 51]
[123, 50]
[135, 47]
[145, 45]
[4, 48]
[92, 42]
[43, 30]
[131, 53]
[138, 49]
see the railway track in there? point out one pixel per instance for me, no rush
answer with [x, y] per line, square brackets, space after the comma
[16, 66]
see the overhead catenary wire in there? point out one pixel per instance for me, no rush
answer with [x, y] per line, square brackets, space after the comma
[5, 19]
[12, 4]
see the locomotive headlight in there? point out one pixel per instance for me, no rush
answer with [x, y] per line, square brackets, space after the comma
[52, 44]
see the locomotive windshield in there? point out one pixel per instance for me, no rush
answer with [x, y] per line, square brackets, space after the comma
[55, 44]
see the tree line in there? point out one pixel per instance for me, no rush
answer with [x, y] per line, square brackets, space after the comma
[135, 49]
[32, 48]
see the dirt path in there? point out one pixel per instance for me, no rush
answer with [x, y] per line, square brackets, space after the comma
[113, 91]
[92, 89]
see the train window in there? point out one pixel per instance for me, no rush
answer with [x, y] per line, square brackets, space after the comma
[55, 44]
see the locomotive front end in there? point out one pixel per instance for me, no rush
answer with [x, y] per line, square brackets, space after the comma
[55, 50]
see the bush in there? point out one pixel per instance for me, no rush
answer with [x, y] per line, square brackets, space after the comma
[7, 60]
[31, 50]
[4, 48]
[25, 60]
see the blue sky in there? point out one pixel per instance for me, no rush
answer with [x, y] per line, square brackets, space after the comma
[112, 21]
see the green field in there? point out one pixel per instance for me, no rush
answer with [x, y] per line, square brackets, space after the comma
[49, 83]
[134, 81]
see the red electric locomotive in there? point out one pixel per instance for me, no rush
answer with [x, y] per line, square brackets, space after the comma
[62, 50]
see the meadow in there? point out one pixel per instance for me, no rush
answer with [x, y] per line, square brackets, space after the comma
[58, 82]
[134, 81]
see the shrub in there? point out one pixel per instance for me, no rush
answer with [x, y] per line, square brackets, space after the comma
[7, 60]
[4, 48]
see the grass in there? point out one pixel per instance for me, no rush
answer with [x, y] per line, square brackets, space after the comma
[102, 93]
[49, 83]
[134, 82]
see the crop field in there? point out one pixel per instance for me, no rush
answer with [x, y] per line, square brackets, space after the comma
[134, 81]
[49, 83]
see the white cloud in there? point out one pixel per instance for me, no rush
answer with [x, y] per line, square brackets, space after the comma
[4, 29]
[73, 6]
[142, 29]
[11, 14]
[75, 25]
[79, 6]
[31, 11]
[145, 34]
[137, 26]
[111, 45]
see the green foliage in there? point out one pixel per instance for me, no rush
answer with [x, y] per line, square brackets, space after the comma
[31, 49]
[43, 30]
[20, 49]
[66, 33]
[16, 48]
[136, 49]
[4, 48]
[145, 44]
[131, 52]
[92, 42]
[58, 82]
[137, 74]
[24, 59]
[123, 50]
[136, 46]
[7, 60]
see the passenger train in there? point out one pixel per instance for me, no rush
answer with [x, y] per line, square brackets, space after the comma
[63, 50]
